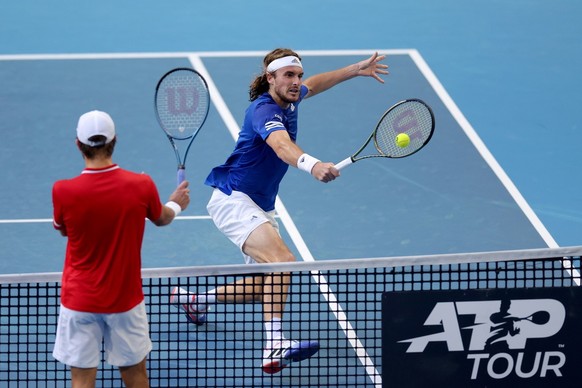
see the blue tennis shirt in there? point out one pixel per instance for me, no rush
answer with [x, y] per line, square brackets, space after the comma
[253, 167]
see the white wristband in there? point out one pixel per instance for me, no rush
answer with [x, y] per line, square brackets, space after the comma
[306, 163]
[175, 207]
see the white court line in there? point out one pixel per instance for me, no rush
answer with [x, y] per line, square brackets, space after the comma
[189, 55]
[490, 159]
[44, 220]
[482, 149]
[26, 221]
[330, 297]
[287, 221]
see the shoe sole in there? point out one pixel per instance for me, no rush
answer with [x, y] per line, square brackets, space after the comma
[274, 367]
[302, 351]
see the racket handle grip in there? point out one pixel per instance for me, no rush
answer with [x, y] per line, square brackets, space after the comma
[181, 175]
[344, 163]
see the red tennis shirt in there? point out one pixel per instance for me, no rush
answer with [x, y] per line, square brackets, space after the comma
[103, 212]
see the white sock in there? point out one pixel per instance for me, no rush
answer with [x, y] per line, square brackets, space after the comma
[273, 330]
[184, 297]
[201, 301]
[205, 299]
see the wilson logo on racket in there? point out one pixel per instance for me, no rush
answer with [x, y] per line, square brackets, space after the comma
[182, 100]
[406, 122]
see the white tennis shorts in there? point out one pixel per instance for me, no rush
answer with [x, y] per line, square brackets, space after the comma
[125, 336]
[236, 216]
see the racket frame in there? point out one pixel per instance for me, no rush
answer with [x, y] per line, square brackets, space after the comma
[354, 158]
[181, 174]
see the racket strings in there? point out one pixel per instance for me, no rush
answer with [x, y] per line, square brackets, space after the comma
[411, 117]
[182, 103]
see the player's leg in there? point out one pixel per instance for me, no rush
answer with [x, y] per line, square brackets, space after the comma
[265, 245]
[135, 376]
[236, 216]
[245, 290]
[195, 306]
[256, 233]
[78, 344]
[83, 377]
[127, 344]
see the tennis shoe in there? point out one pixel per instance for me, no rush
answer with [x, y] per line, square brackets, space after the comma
[284, 352]
[194, 313]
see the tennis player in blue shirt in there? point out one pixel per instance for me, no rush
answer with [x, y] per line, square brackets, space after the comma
[243, 202]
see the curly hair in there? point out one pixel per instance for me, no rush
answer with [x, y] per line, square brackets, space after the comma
[260, 84]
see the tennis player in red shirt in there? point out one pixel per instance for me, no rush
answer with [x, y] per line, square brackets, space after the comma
[102, 212]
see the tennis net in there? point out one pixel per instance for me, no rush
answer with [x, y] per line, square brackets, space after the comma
[336, 302]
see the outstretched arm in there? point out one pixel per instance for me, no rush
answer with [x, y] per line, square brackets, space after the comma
[370, 67]
[290, 153]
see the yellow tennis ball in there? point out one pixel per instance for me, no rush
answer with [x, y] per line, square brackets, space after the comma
[402, 140]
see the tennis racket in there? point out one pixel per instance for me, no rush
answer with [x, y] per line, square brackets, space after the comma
[181, 103]
[412, 117]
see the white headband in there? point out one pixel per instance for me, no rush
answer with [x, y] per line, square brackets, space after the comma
[282, 62]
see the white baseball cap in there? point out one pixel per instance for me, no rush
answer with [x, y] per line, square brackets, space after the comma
[95, 123]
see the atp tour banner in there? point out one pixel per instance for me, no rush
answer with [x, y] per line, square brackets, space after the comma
[482, 338]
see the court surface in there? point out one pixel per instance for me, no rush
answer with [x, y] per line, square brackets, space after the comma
[451, 197]
[493, 177]
[502, 171]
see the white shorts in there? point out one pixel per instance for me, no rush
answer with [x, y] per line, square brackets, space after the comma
[237, 215]
[125, 335]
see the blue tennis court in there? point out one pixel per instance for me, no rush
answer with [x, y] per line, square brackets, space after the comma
[452, 197]
[499, 174]
[490, 74]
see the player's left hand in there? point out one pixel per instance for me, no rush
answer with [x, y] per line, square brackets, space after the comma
[372, 67]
